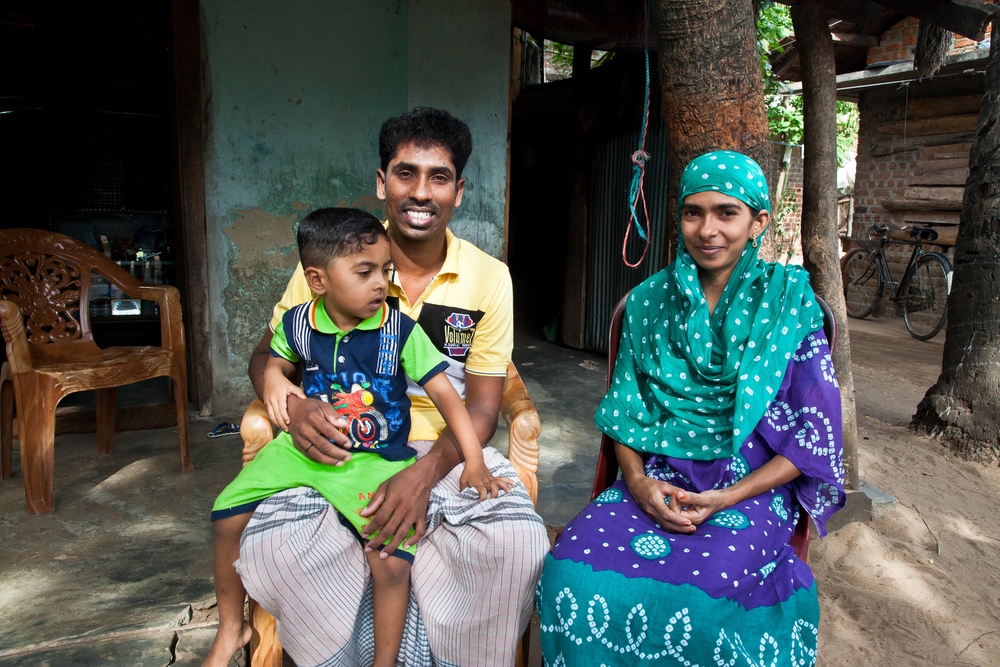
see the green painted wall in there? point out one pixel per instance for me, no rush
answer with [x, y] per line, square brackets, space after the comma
[295, 94]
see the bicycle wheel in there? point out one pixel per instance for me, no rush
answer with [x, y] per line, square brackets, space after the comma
[862, 282]
[925, 295]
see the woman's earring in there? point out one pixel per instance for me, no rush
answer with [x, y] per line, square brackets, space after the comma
[754, 242]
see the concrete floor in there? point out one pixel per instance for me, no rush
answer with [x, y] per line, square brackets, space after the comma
[121, 572]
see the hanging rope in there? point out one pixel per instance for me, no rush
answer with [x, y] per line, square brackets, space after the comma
[636, 193]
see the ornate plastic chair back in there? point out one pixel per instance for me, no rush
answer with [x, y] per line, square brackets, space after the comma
[45, 281]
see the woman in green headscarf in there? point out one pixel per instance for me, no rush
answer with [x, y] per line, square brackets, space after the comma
[726, 416]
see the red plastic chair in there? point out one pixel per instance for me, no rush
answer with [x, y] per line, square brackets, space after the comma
[607, 462]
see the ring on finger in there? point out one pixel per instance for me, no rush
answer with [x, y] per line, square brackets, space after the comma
[308, 448]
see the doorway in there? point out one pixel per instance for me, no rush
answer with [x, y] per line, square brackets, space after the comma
[97, 145]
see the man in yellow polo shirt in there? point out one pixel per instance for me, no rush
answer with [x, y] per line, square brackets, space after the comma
[474, 575]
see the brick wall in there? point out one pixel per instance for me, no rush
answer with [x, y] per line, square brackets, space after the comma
[896, 43]
[886, 162]
[879, 175]
[788, 211]
[899, 42]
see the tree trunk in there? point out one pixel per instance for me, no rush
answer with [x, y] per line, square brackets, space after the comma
[820, 245]
[712, 88]
[962, 406]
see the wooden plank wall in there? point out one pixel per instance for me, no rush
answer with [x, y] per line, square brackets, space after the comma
[941, 130]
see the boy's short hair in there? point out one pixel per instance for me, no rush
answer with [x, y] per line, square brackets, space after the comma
[425, 126]
[329, 233]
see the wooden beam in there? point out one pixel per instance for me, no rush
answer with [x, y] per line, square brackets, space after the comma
[933, 217]
[927, 199]
[935, 164]
[903, 204]
[945, 152]
[943, 177]
[854, 39]
[930, 107]
[600, 24]
[912, 143]
[190, 196]
[784, 63]
[860, 12]
[968, 18]
[925, 126]
[945, 194]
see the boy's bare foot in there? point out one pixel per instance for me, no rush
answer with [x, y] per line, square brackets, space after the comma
[228, 640]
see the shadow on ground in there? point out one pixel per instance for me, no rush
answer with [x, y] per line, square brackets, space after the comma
[121, 572]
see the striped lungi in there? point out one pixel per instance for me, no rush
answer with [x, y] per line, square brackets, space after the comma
[472, 583]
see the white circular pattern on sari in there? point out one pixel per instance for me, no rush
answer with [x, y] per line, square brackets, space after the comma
[650, 546]
[733, 519]
[609, 496]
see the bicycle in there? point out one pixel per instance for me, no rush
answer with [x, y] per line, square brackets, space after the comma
[923, 291]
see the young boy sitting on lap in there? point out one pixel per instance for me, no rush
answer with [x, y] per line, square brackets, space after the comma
[356, 353]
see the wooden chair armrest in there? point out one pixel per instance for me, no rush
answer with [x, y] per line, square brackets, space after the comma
[12, 325]
[171, 318]
[255, 429]
[130, 285]
[166, 297]
[519, 412]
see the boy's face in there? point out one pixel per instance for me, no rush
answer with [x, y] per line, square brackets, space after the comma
[421, 191]
[353, 286]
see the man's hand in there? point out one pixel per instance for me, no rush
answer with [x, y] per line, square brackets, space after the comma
[399, 504]
[662, 502]
[315, 428]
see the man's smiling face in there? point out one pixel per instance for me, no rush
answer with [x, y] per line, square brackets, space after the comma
[421, 191]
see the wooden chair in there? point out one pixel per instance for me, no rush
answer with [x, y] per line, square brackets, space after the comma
[44, 302]
[607, 461]
[517, 410]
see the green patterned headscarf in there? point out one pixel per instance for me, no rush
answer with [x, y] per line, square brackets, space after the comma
[693, 384]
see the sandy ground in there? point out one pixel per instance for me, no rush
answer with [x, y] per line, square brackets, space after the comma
[104, 578]
[919, 585]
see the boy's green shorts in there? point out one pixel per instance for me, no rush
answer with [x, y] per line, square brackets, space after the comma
[280, 465]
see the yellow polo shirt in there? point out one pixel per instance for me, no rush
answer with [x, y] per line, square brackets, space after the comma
[466, 311]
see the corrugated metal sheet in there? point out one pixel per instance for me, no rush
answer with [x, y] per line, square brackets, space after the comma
[608, 278]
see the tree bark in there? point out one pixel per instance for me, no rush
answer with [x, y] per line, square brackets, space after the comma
[712, 88]
[962, 406]
[820, 245]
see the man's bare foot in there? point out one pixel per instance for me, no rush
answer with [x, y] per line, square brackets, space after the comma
[228, 640]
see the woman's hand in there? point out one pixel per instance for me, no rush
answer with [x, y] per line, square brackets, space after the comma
[662, 502]
[699, 507]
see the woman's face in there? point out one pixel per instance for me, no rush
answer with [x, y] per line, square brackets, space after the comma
[716, 228]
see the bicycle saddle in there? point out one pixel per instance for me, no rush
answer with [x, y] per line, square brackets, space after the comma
[924, 234]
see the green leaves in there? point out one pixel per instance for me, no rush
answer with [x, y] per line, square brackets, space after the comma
[784, 108]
